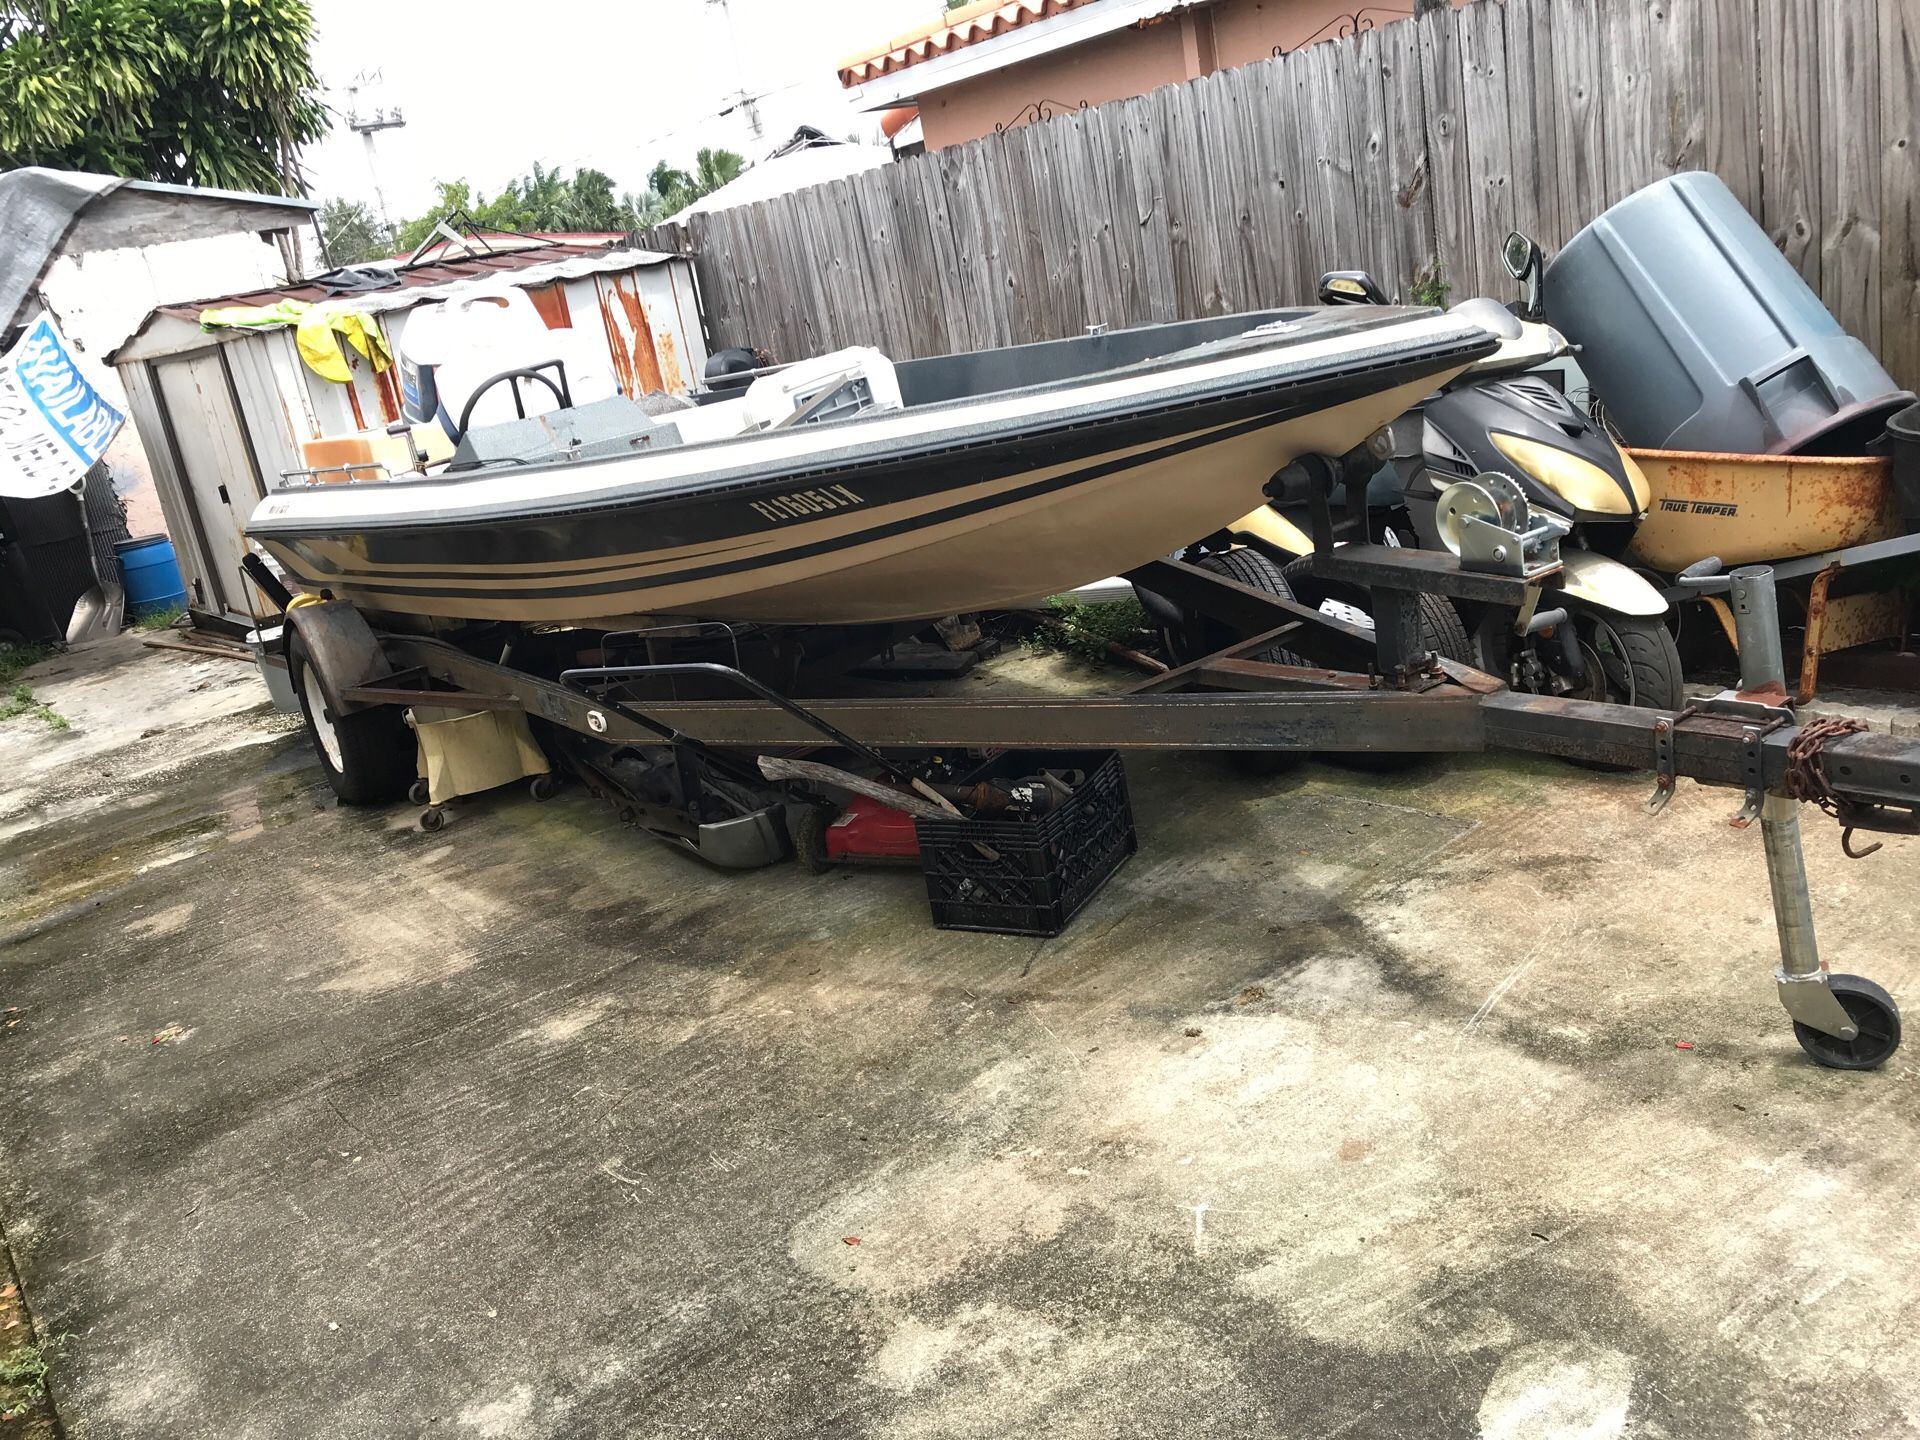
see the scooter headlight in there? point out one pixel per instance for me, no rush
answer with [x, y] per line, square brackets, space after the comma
[1580, 482]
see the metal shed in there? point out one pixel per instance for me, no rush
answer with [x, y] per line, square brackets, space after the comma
[225, 412]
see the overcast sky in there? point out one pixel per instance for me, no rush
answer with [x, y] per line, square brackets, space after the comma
[487, 88]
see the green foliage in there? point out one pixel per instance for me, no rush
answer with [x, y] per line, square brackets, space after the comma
[1079, 628]
[354, 234]
[199, 92]
[549, 200]
[167, 619]
[23, 702]
[15, 658]
[1429, 286]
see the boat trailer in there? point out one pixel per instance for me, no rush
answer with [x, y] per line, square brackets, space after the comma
[1395, 699]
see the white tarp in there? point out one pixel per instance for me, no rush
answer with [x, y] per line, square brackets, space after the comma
[53, 423]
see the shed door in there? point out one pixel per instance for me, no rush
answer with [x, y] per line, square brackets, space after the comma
[216, 467]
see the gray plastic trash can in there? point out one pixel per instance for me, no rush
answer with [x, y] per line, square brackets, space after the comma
[1698, 335]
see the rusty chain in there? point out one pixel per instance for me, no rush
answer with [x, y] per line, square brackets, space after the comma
[1807, 774]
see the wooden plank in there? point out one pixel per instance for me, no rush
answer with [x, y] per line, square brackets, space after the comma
[1407, 170]
[1338, 230]
[986, 200]
[919, 263]
[1900, 190]
[1626, 63]
[948, 284]
[1790, 130]
[1381, 251]
[1173, 140]
[1301, 159]
[1222, 126]
[1728, 37]
[1150, 196]
[1676, 86]
[1483, 84]
[1279, 214]
[1057, 159]
[1446, 147]
[1020, 215]
[1579, 135]
[1121, 227]
[1087, 219]
[893, 333]
[1530, 123]
[1227, 123]
[1849, 91]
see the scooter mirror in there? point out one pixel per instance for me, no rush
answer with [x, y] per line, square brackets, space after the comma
[1520, 255]
[1350, 287]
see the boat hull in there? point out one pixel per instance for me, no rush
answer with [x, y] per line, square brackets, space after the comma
[975, 524]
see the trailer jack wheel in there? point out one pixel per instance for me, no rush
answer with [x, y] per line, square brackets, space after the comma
[1872, 1010]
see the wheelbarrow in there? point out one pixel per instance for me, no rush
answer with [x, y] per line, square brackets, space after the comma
[1834, 523]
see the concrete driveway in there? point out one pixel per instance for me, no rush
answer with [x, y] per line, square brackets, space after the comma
[1353, 1106]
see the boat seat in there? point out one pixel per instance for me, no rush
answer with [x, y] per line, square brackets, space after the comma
[614, 426]
[828, 387]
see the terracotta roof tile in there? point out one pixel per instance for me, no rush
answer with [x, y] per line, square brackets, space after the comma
[955, 30]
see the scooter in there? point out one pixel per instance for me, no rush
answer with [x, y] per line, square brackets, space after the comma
[1597, 630]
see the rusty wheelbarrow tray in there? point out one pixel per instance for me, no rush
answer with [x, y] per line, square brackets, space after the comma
[1809, 517]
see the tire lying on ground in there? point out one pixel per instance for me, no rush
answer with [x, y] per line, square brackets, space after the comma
[368, 756]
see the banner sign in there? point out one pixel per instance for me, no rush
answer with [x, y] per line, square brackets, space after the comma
[53, 423]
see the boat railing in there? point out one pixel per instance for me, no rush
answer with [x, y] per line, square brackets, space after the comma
[350, 474]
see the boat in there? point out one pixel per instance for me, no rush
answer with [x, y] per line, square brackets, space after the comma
[850, 489]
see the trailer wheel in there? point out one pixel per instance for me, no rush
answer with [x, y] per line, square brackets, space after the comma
[1440, 627]
[1202, 636]
[368, 756]
[1872, 1010]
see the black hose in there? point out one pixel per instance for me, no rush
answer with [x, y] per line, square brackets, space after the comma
[269, 583]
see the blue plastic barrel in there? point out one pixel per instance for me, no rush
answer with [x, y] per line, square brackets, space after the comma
[151, 575]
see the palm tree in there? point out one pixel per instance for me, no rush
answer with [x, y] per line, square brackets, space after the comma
[714, 168]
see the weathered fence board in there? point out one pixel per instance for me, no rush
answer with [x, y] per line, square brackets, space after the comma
[1900, 189]
[1408, 149]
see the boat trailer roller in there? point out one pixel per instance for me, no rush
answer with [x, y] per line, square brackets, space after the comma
[1746, 739]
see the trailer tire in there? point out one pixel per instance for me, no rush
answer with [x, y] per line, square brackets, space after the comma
[368, 757]
[1256, 572]
[1202, 636]
[1441, 629]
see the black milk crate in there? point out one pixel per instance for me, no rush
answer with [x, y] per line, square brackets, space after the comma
[1047, 866]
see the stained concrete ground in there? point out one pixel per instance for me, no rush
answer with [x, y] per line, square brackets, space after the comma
[1352, 1106]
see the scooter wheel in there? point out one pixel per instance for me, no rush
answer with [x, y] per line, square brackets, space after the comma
[1870, 1008]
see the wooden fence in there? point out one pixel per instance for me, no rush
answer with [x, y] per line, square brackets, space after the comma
[1409, 150]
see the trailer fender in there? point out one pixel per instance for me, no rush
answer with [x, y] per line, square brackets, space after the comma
[342, 649]
[1607, 585]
